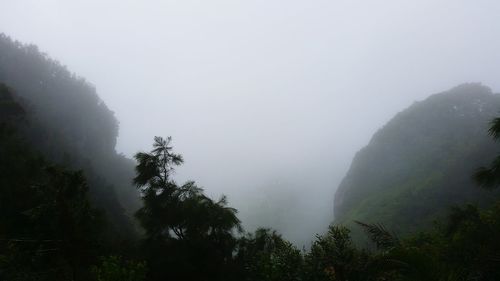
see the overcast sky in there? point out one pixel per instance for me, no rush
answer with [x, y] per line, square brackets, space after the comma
[267, 100]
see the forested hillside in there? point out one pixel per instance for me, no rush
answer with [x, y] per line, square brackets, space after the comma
[47, 222]
[421, 162]
[63, 190]
[68, 123]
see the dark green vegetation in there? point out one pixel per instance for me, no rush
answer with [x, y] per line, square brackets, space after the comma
[421, 162]
[62, 188]
[69, 125]
[48, 227]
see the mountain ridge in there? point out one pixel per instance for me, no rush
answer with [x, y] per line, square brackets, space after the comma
[70, 125]
[412, 168]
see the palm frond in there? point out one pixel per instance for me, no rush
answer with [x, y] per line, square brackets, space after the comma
[495, 129]
[489, 178]
[377, 233]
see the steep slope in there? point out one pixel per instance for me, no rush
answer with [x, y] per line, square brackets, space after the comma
[421, 162]
[70, 125]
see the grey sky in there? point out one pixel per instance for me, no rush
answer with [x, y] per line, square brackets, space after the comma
[264, 98]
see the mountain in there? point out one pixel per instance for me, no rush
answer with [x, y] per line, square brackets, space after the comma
[67, 122]
[421, 162]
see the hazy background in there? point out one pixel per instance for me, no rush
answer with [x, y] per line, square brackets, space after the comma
[267, 100]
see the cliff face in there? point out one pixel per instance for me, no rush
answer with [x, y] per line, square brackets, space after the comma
[421, 162]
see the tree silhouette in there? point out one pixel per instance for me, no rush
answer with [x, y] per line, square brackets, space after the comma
[194, 232]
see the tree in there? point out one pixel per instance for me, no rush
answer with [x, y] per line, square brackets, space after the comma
[114, 268]
[266, 256]
[189, 235]
[48, 229]
[57, 234]
[489, 177]
[333, 256]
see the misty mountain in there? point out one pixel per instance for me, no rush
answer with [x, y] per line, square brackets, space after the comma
[68, 123]
[421, 162]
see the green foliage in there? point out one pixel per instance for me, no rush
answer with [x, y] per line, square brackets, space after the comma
[489, 178]
[114, 268]
[266, 256]
[332, 256]
[473, 244]
[182, 220]
[420, 163]
[10, 110]
[48, 230]
[154, 169]
[173, 211]
[67, 123]
[414, 168]
[464, 247]
[380, 235]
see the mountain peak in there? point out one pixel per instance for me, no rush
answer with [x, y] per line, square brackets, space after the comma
[421, 161]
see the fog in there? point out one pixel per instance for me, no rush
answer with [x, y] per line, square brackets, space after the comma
[268, 101]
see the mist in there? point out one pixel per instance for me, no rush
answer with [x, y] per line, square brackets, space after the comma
[268, 101]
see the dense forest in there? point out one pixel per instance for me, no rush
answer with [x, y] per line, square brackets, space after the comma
[68, 123]
[74, 209]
